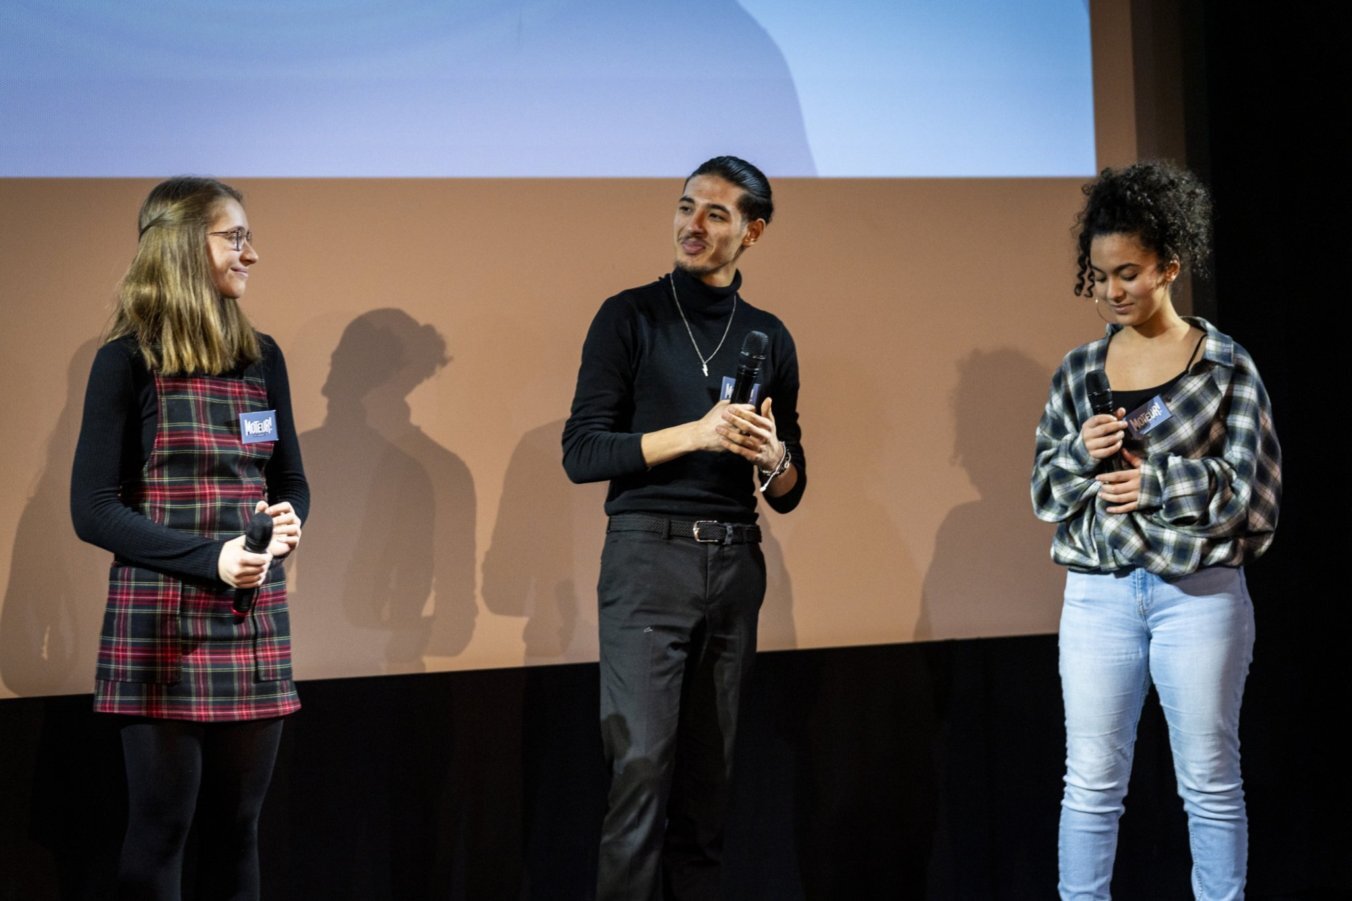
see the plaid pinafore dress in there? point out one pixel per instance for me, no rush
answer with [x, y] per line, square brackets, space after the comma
[173, 648]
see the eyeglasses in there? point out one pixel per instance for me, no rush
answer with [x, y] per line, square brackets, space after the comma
[237, 236]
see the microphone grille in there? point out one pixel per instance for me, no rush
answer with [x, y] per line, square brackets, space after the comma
[258, 533]
[755, 344]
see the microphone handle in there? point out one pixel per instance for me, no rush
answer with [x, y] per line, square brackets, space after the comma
[256, 540]
[746, 380]
[1115, 462]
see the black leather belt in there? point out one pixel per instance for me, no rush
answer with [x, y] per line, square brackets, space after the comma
[705, 531]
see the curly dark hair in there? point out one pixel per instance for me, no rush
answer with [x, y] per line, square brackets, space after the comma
[1166, 207]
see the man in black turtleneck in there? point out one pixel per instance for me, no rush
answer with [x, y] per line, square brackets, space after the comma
[682, 576]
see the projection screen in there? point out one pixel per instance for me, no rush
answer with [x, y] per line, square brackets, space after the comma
[443, 194]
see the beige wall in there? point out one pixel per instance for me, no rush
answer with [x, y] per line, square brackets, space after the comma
[445, 535]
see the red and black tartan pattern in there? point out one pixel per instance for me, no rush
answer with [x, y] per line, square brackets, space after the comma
[172, 648]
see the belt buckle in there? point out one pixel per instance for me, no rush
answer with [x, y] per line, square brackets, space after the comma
[707, 522]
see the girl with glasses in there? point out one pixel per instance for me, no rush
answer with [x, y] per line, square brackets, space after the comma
[187, 433]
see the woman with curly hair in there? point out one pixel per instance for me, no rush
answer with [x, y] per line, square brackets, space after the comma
[187, 433]
[1158, 504]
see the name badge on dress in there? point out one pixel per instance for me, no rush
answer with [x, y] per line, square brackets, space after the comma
[256, 427]
[1143, 420]
[725, 393]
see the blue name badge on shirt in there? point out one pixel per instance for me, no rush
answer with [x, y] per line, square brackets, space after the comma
[1147, 416]
[256, 427]
[725, 393]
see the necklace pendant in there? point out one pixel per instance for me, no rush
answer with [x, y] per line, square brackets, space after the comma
[703, 360]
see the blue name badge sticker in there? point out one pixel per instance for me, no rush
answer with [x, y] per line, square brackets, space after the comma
[256, 427]
[1143, 420]
[725, 393]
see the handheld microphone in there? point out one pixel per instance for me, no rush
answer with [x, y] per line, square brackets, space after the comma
[256, 540]
[1100, 394]
[1101, 401]
[749, 366]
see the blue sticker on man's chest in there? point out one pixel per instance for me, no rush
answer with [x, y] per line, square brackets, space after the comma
[256, 427]
[1143, 420]
[725, 392]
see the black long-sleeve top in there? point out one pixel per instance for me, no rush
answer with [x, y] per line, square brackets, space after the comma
[121, 417]
[640, 373]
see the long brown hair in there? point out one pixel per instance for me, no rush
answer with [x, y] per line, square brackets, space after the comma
[167, 299]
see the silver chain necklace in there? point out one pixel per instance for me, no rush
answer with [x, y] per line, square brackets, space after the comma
[703, 360]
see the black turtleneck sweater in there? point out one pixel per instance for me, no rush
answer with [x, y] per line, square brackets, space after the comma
[640, 373]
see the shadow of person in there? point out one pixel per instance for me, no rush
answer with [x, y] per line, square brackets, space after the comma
[853, 570]
[453, 608]
[541, 566]
[391, 552]
[775, 629]
[546, 542]
[53, 607]
[853, 565]
[72, 806]
[384, 578]
[991, 575]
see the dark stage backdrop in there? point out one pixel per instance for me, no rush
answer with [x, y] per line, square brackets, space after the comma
[910, 770]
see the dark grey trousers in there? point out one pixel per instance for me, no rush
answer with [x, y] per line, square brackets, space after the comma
[677, 627]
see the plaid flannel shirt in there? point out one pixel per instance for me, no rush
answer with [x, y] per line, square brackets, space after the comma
[1211, 478]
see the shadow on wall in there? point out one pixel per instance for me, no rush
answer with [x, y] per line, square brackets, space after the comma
[559, 52]
[544, 557]
[386, 572]
[546, 541]
[49, 624]
[992, 574]
[858, 560]
[776, 628]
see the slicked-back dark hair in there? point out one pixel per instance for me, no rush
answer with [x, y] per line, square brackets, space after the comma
[757, 201]
[1164, 206]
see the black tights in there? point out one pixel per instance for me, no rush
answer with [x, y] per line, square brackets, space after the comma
[175, 768]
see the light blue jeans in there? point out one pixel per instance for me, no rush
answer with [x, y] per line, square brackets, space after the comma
[1193, 637]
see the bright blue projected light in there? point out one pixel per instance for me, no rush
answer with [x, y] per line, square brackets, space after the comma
[544, 88]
